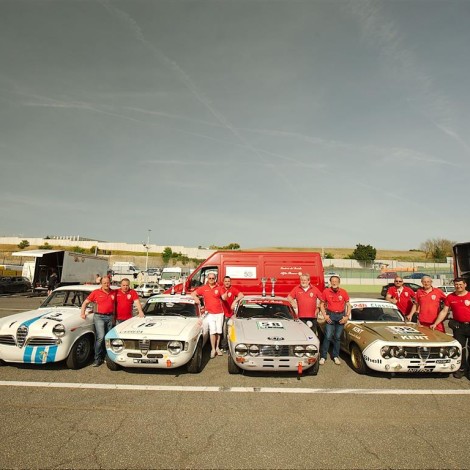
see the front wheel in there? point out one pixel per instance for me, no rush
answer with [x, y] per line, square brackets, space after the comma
[357, 360]
[111, 364]
[80, 353]
[314, 369]
[232, 367]
[195, 364]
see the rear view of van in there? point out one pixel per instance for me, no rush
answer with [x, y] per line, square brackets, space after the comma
[269, 272]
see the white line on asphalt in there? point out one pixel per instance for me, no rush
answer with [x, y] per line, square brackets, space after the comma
[165, 388]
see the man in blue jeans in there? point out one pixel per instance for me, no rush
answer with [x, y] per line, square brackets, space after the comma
[105, 306]
[336, 310]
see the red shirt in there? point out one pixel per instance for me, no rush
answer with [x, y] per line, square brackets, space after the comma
[460, 305]
[125, 304]
[335, 301]
[211, 296]
[104, 301]
[306, 300]
[405, 298]
[429, 304]
[232, 294]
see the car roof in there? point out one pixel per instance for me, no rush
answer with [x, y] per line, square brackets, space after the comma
[82, 287]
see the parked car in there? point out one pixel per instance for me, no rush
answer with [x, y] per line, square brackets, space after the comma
[265, 335]
[147, 289]
[10, 285]
[378, 338]
[172, 334]
[447, 289]
[54, 332]
[415, 276]
[388, 275]
[411, 285]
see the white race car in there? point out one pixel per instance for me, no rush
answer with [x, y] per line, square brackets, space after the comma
[264, 335]
[171, 335]
[51, 333]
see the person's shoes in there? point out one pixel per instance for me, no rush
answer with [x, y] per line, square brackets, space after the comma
[219, 352]
[337, 361]
[212, 354]
[97, 363]
[322, 361]
[458, 374]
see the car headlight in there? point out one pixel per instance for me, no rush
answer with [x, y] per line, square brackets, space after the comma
[241, 349]
[254, 350]
[59, 330]
[398, 352]
[175, 347]
[454, 352]
[117, 345]
[311, 350]
[443, 352]
[385, 352]
[299, 351]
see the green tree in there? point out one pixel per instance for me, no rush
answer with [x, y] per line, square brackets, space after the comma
[329, 255]
[23, 244]
[77, 249]
[167, 254]
[46, 246]
[364, 253]
[437, 248]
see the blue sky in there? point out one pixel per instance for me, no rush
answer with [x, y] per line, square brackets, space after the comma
[262, 122]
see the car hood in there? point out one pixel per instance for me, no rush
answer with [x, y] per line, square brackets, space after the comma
[401, 332]
[155, 327]
[40, 319]
[269, 330]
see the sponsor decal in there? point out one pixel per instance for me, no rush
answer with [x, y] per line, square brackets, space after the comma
[420, 336]
[270, 325]
[404, 330]
[467, 303]
[357, 329]
[311, 294]
[266, 302]
[433, 297]
[128, 296]
[372, 361]
[275, 338]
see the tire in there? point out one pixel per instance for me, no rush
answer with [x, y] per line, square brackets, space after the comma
[194, 366]
[357, 360]
[80, 353]
[314, 369]
[111, 364]
[232, 367]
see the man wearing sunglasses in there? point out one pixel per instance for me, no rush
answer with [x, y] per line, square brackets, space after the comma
[400, 295]
[212, 296]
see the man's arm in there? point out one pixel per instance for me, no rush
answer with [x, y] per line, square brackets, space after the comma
[441, 317]
[138, 306]
[83, 309]
[389, 298]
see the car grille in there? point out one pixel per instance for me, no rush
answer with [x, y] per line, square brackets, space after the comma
[271, 350]
[423, 353]
[42, 341]
[146, 345]
[21, 334]
[7, 339]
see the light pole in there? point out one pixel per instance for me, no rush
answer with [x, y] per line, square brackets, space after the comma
[147, 247]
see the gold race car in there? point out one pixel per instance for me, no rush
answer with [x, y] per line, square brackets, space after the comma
[378, 338]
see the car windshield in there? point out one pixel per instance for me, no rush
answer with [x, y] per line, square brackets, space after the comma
[262, 310]
[65, 298]
[168, 276]
[170, 308]
[375, 313]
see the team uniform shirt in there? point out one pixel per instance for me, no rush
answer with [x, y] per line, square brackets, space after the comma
[211, 296]
[460, 305]
[306, 300]
[232, 294]
[125, 304]
[335, 301]
[429, 305]
[404, 298]
[104, 301]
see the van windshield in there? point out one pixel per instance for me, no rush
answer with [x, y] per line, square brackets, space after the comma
[168, 276]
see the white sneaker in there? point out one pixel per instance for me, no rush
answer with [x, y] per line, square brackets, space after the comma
[336, 361]
[322, 361]
[212, 354]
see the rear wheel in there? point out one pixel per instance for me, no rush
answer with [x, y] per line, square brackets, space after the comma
[232, 367]
[357, 360]
[80, 353]
[195, 364]
[111, 364]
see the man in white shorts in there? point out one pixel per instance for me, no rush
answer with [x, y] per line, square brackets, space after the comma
[212, 293]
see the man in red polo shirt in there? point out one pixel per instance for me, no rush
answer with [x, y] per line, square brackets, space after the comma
[428, 304]
[229, 295]
[126, 298]
[105, 305]
[336, 309]
[459, 302]
[401, 296]
[212, 293]
[305, 298]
